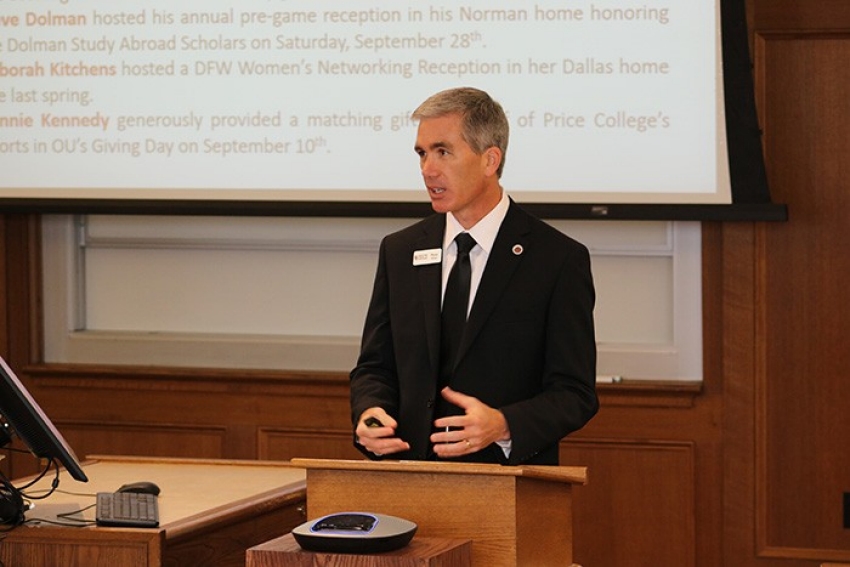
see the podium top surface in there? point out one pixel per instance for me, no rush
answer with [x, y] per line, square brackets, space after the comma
[565, 474]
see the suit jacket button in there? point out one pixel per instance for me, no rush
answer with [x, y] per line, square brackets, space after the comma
[429, 403]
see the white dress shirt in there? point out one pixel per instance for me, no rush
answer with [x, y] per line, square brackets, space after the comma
[484, 232]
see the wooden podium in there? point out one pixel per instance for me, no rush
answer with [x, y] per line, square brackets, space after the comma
[515, 516]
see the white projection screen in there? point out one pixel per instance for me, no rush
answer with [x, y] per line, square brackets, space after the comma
[275, 101]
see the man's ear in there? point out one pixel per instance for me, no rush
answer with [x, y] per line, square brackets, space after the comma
[493, 156]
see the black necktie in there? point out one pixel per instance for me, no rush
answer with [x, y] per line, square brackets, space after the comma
[455, 305]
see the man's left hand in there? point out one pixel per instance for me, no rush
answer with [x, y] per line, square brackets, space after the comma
[461, 435]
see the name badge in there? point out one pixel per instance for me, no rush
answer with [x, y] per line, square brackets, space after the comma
[425, 257]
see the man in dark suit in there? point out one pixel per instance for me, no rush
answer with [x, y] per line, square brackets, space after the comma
[522, 373]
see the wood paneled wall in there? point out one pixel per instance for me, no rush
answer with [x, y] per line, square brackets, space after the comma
[746, 470]
[801, 381]
[643, 480]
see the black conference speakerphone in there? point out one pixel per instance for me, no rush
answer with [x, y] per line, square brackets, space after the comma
[354, 532]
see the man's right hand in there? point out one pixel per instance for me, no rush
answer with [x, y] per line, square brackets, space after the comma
[378, 435]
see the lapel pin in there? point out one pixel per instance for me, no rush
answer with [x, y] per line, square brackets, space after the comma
[517, 249]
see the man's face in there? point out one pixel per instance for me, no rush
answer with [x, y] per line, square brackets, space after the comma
[458, 180]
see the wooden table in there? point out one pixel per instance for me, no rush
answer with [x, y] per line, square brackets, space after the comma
[210, 511]
[421, 552]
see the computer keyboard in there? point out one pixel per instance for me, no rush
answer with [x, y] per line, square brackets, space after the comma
[127, 509]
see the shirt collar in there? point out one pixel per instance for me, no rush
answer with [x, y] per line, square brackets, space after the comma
[484, 232]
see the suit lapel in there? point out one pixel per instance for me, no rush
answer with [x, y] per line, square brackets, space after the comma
[430, 287]
[501, 264]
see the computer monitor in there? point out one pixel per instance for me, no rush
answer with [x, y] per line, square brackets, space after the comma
[20, 412]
